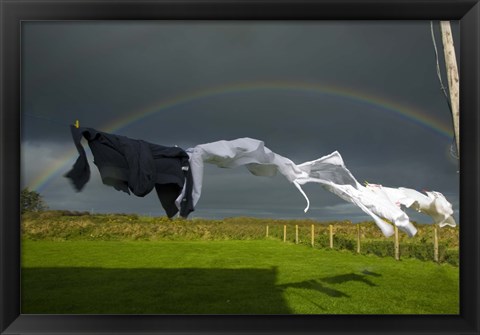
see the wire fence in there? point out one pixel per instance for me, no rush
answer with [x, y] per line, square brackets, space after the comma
[430, 243]
[428, 246]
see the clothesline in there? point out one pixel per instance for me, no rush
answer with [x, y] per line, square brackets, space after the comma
[66, 124]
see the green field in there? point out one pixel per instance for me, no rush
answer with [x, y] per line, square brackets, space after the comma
[74, 226]
[264, 276]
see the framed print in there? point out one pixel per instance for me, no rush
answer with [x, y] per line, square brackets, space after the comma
[239, 167]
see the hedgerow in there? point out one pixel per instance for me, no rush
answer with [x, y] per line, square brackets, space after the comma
[74, 225]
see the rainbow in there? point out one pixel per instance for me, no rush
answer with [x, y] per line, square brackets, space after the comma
[409, 113]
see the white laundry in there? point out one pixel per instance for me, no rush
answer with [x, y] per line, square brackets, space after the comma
[433, 203]
[330, 172]
[258, 159]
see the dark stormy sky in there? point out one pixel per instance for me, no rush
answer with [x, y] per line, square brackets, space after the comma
[367, 89]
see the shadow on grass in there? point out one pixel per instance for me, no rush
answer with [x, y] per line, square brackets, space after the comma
[370, 273]
[318, 285]
[77, 290]
[348, 277]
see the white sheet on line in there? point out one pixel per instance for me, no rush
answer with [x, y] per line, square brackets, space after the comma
[381, 203]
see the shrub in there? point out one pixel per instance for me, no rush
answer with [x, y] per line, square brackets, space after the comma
[322, 241]
[343, 242]
[31, 201]
[451, 256]
[378, 247]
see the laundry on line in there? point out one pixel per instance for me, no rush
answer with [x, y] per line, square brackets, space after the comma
[138, 166]
[135, 166]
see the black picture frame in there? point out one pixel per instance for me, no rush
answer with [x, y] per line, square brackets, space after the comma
[14, 12]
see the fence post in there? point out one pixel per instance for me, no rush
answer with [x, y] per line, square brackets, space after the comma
[331, 236]
[313, 235]
[284, 233]
[267, 231]
[397, 246]
[435, 243]
[296, 234]
[358, 238]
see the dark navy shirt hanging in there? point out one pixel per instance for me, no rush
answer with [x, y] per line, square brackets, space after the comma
[135, 166]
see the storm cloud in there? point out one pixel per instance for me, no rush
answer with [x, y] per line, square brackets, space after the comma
[367, 89]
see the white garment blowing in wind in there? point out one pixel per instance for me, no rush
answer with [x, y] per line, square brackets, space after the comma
[329, 171]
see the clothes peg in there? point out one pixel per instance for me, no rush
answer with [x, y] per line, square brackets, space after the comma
[77, 124]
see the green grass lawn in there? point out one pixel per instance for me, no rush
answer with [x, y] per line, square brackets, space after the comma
[227, 277]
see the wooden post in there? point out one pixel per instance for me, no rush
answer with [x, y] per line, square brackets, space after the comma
[358, 238]
[452, 75]
[284, 233]
[267, 231]
[331, 235]
[435, 243]
[397, 245]
[313, 235]
[296, 234]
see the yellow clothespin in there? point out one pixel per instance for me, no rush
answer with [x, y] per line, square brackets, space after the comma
[366, 183]
[77, 124]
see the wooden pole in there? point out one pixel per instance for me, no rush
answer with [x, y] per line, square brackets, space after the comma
[453, 80]
[267, 231]
[397, 245]
[435, 243]
[331, 235]
[284, 233]
[313, 235]
[358, 238]
[296, 234]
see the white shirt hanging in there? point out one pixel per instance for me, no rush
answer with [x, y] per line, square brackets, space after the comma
[330, 172]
